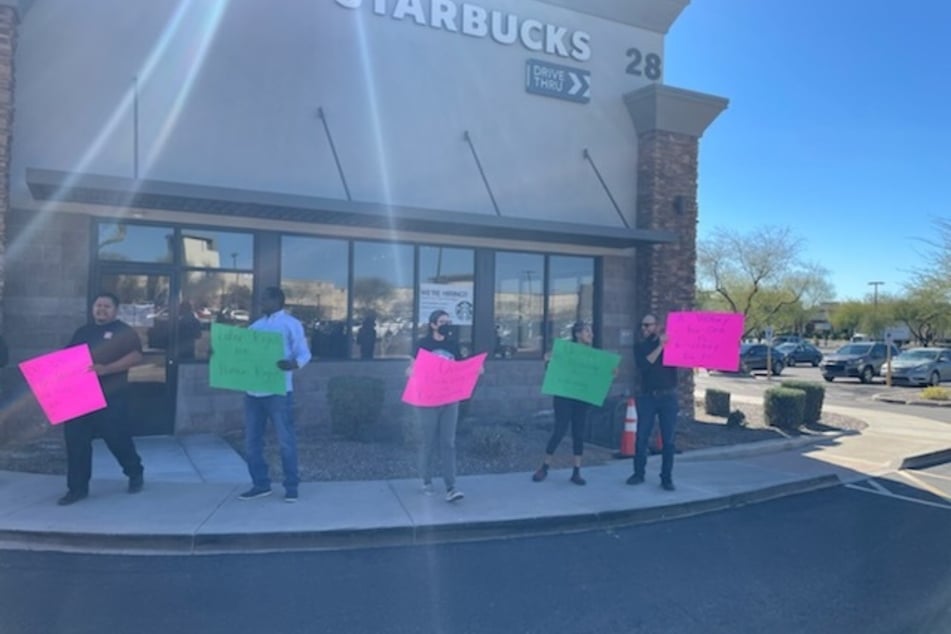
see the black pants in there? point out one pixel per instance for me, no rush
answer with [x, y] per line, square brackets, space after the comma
[110, 424]
[568, 410]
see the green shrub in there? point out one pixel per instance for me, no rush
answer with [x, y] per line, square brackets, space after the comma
[815, 395]
[736, 419]
[784, 407]
[355, 403]
[935, 393]
[716, 402]
[490, 441]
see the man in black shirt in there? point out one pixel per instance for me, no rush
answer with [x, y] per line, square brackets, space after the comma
[115, 348]
[657, 399]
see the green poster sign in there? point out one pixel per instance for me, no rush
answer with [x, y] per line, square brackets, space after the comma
[580, 372]
[246, 360]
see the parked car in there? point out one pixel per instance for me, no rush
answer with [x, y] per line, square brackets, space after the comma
[800, 353]
[753, 356]
[781, 339]
[922, 366]
[860, 360]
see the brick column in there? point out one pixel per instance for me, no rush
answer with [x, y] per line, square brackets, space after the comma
[8, 37]
[669, 123]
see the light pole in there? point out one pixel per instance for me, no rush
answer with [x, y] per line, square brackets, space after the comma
[875, 285]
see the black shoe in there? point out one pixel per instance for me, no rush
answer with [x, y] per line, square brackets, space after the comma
[71, 497]
[136, 483]
[577, 479]
[255, 492]
[636, 479]
[541, 474]
[668, 485]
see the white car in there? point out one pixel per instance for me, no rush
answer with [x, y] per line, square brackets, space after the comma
[922, 366]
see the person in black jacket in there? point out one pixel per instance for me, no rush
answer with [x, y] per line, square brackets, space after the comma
[115, 348]
[656, 400]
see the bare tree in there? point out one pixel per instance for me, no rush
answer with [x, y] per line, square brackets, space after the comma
[760, 274]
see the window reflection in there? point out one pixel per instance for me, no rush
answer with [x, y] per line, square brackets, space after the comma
[446, 279]
[571, 293]
[383, 289]
[218, 297]
[314, 279]
[217, 249]
[120, 241]
[519, 304]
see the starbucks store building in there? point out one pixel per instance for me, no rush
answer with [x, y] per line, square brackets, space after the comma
[520, 164]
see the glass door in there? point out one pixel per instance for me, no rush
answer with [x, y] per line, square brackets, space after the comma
[144, 304]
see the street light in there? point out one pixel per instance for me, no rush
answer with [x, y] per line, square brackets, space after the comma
[875, 303]
[876, 285]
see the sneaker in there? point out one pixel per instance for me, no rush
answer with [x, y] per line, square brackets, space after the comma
[255, 492]
[454, 495]
[541, 474]
[427, 489]
[290, 496]
[577, 479]
[136, 483]
[636, 479]
[668, 485]
[71, 497]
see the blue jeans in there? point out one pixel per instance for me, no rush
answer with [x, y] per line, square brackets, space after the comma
[257, 411]
[662, 407]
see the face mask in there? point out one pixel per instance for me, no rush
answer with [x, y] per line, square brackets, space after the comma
[445, 330]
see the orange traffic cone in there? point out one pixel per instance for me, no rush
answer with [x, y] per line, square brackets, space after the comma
[629, 433]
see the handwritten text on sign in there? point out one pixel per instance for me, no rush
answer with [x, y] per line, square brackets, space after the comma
[246, 360]
[437, 381]
[704, 340]
[580, 372]
[64, 384]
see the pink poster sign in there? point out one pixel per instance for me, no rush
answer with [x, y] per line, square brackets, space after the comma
[438, 381]
[704, 340]
[64, 384]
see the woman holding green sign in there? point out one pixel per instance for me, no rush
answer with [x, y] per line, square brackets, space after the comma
[568, 411]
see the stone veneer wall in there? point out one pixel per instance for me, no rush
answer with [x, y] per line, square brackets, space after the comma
[667, 199]
[509, 390]
[44, 299]
[8, 40]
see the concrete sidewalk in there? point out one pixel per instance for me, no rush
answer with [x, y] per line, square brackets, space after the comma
[189, 505]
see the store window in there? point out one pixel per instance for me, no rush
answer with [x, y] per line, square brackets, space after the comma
[570, 293]
[519, 304]
[314, 274]
[218, 280]
[210, 249]
[123, 242]
[446, 282]
[383, 291]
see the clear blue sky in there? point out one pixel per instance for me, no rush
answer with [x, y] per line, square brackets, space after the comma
[838, 125]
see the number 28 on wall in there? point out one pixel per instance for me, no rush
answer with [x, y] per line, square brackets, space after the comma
[646, 65]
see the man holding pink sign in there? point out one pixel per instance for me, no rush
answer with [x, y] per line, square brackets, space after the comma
[656, 402]
[115, 347]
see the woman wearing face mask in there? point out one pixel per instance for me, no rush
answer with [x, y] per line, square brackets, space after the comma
[439, 423]
[568, 411]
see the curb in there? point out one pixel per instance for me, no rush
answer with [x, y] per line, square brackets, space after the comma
[925, 460]
[216, 544]
[745, 450]
[903, 401]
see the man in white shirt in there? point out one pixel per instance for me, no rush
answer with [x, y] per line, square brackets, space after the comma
[259, 407]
